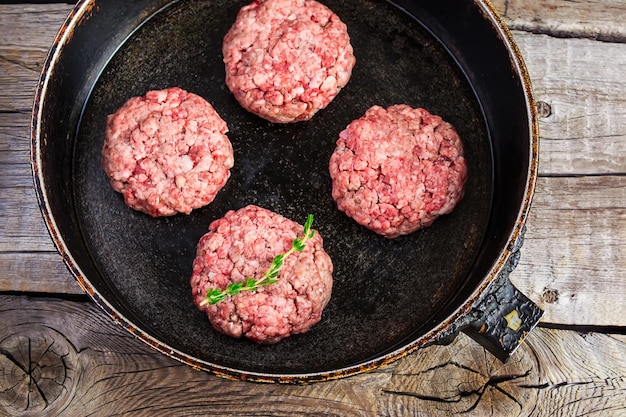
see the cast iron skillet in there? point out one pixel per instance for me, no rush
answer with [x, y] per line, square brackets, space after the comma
[390, 297]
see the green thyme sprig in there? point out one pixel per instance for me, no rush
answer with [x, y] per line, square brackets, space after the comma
[215, 295]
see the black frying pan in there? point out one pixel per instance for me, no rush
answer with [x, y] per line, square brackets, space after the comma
[390, 297]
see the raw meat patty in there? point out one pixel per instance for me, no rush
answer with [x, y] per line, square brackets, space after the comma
[397, 170]
[243, 244]
[287, 59]
[167, 152]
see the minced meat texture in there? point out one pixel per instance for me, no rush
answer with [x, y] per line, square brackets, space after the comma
[243, 244]
[396, 170]
[287, 59]
[167, 152]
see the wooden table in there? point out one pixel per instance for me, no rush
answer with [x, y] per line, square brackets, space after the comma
[61, 355]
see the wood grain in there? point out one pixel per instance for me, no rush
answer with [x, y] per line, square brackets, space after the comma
[575, 250]
[105, 371]
[36, 272]
[23, 228]
[584, 84]
[597, 19]
[27, 33]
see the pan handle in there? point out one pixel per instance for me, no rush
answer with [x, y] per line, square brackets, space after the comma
[503, 316]
[508, 317]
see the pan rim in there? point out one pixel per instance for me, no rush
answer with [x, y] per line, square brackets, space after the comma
[64, 35]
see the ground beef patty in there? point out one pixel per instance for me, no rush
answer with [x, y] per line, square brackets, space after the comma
[287, 59]
[243, 244]
[396, 170]
[167, 152]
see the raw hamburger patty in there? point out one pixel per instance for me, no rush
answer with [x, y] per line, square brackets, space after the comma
[167, 152]
[287, 59]
[243, 244]
[396, 170]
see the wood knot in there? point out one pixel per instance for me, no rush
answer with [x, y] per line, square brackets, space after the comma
[40, 368]
[550, 295]
[543, 109]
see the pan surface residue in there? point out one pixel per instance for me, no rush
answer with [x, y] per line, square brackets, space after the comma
[385, 291]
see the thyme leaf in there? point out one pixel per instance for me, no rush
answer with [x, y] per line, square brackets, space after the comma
[215, 295]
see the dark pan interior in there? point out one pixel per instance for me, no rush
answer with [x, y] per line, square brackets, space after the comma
[386, 293]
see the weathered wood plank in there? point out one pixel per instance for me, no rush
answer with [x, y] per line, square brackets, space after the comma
[22, 227]
[584, 84]
[27, 33]
[36, 272]
[598, 19]
[574, 257]
[15, 151]
[99, 369]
